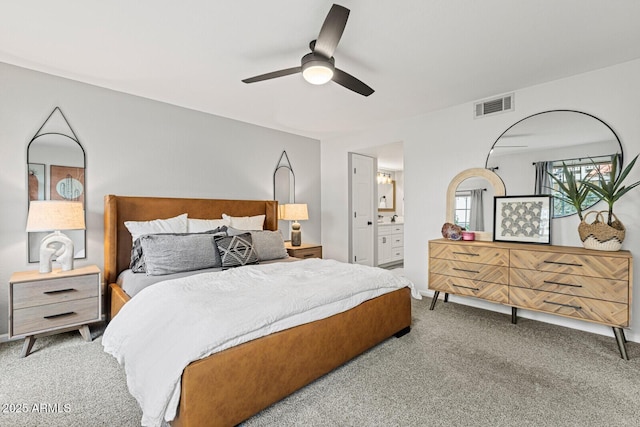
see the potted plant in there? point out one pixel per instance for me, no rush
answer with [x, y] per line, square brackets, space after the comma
[601, 234]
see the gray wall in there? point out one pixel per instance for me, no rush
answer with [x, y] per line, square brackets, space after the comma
[136, 146]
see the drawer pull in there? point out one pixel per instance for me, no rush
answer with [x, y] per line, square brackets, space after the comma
[563, 263]
[308, 255]
[55, 316]
[577, 307]
[466, 253]
[466, 287]
[466, 271]
[59, 291]
[562, 284]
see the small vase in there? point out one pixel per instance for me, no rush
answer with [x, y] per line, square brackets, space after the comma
[600, 236]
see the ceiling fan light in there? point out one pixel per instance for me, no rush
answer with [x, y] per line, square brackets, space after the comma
[317, 74]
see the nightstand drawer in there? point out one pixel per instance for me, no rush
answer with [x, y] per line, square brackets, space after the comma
[32, 320]
[307, 253]
[32, 294]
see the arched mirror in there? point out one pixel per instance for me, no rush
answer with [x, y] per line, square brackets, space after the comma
[56, 171]
[525, 154]
[470, 201]
[284, 185]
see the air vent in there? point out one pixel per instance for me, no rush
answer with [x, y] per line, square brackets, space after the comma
[493, 106]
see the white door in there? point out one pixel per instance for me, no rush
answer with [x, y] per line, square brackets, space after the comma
[362, 209]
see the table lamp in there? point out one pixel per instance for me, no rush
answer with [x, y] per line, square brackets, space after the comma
[54, 215]
[295, 212]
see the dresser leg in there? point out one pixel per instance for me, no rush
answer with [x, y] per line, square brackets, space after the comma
[433, 301]
[621, 340]
[85, 332]
[514, 315]
[446, 297]
[27, 346]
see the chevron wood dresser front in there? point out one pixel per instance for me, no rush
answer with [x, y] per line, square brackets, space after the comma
[567, 281]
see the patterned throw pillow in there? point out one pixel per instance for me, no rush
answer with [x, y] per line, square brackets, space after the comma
[236, 250]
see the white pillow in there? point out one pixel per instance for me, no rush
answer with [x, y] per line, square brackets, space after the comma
[176, 224]
[202, 225]
[246, 222]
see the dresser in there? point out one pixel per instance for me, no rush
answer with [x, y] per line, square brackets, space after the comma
[42, 304]
[305, 250]
[390, 243]
[567, 281]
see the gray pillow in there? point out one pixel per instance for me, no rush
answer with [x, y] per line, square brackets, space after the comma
[268, 245]
[167, 253]
[137, 264]
[236, 250]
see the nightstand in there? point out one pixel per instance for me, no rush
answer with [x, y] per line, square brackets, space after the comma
[43, 304]
[305, 250]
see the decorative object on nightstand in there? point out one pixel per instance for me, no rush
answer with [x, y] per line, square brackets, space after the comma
[305, 250]
[55, 215]
[50, 303]
[295, 212]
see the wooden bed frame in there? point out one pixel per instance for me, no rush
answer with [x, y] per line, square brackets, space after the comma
[228, 387]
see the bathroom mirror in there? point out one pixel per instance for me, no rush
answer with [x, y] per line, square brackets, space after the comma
[524, 153]
[387, 197]
[470, 200]
[56, 171]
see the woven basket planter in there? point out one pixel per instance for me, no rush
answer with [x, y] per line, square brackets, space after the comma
[599, 235]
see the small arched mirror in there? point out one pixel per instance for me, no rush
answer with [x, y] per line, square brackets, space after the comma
[56, 171]
[470, 201]
[284, 185]
[525, 154]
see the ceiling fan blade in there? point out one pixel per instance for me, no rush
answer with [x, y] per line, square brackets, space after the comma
[331, 31]
[273, 75]
[351, 83]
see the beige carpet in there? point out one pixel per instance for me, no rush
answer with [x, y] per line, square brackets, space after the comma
[459, 366]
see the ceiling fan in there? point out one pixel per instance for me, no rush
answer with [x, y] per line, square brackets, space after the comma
[318, 67]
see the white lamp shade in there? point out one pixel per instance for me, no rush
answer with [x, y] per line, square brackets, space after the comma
[50, 215]
[294, 212]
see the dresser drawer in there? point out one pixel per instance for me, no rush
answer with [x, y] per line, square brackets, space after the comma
[607, 312]
[471, 253]
[470, 270]
[31, 294]
[32, 320]
[583, 286]
[583, 265]
[459, 286]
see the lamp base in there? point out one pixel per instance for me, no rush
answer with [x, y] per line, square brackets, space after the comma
[58, 245]
[296, 237]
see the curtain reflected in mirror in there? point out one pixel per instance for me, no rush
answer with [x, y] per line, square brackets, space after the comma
[536, 146]
[55, 171]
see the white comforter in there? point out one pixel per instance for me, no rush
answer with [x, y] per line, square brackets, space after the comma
[172, 323]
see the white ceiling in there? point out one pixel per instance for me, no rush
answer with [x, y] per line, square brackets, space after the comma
[419, 55]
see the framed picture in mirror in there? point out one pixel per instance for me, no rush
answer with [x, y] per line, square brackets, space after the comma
[67, 183]
[524, 219]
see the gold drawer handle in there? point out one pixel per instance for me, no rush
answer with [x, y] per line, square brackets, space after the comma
[59, 291]
[466, 287]
[577, 307]
[466, 271]
[466, 253]
[55, 316]
[564, 263]
[562, 284]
